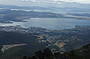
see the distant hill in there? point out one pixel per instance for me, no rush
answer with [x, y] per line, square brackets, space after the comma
[60, 6]
[7, 15]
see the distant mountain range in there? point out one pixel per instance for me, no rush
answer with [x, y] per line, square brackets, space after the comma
[54, 7]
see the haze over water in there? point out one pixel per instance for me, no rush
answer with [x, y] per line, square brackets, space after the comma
[51, 23]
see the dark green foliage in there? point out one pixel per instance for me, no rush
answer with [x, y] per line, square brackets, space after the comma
[15, 37]
[82, 53]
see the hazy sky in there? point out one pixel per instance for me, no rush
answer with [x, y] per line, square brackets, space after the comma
[30, 2]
